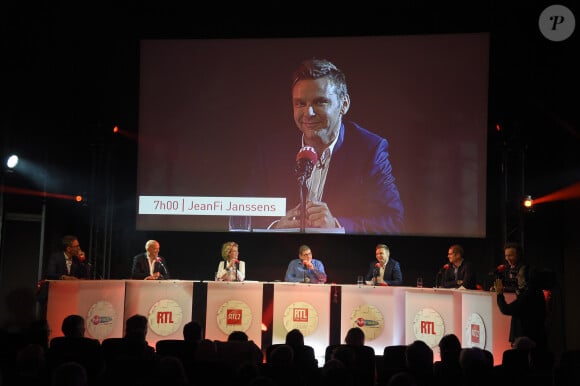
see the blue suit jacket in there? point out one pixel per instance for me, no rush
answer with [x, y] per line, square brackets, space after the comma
[360, 188]
[393, 274]
[57, 267]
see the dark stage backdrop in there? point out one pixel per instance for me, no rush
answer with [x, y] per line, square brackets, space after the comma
[214, 112]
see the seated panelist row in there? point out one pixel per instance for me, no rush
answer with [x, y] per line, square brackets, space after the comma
[383, 271]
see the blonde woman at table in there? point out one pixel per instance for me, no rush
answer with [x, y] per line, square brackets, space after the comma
[231, 268]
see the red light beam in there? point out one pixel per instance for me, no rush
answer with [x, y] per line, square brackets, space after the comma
[568, 193]
[38, 193]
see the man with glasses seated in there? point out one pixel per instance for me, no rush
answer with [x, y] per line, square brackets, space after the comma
[69, 263]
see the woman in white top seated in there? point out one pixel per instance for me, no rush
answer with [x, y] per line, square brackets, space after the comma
[231, 269]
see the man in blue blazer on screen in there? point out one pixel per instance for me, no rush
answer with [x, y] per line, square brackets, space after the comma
[345, 167]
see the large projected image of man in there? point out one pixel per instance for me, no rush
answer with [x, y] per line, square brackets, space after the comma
[412, 122]
[351, 184]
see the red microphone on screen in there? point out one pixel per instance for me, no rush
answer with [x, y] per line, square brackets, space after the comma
[446, 267]
[305, 161]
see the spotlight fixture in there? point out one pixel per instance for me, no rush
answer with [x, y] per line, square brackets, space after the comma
[12, 161]
[528, 203]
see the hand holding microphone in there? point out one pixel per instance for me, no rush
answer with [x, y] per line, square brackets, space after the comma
[307, 264]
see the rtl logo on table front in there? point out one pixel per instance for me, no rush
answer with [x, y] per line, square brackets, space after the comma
[428, 327]
[164, 317]
[300, 315]
[234, 317]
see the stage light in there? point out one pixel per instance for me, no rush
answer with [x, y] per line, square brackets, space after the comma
[12, 161]
[528, 202]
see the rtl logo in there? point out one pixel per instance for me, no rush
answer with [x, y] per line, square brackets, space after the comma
[300, 315]
[234, 317]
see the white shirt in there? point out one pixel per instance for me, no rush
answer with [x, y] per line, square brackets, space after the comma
[317, 179]
[231, 276]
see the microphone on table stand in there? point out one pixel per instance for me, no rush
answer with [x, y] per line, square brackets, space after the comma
[160, 261]
[306, 278]
[438, 278]
[236, 262]
[376, 272]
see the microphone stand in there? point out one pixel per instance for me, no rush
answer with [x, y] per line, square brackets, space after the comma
[303, 194]
[306, 279]
[303, 170]
[166, 275]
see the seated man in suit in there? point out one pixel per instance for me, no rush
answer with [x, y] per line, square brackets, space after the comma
[149, 265]
[69, 263]
[386, 271]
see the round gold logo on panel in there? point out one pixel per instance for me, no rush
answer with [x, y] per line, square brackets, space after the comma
[100, 318]
[474, 332]
[165, 317]
[369, 319]
[428, 326]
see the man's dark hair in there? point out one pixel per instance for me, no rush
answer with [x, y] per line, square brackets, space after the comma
[67, 241]
[321, 68]
[457, 249]
[515, 246]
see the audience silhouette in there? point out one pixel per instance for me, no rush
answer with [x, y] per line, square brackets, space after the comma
[27, 359]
